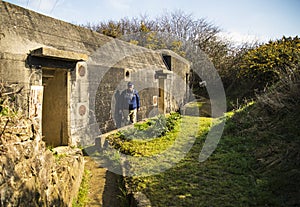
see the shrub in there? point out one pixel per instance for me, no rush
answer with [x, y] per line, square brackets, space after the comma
[268, 63]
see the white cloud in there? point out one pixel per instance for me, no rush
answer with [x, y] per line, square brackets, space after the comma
[239, 38]
[119, 4]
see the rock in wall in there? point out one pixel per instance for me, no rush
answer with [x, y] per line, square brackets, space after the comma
[31, 174]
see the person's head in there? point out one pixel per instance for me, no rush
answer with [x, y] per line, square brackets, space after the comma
[130, 85]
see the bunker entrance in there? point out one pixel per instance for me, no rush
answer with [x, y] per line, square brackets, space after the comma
[56, 66]
[55, 127]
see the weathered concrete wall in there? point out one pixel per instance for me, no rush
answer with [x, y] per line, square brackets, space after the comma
[108, 62]
[106, 109]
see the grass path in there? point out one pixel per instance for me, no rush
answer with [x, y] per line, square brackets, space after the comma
[255, 164]
[103, 186]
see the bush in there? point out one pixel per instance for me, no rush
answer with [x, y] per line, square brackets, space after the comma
[147, 138]
[269, 63]
[153, 128]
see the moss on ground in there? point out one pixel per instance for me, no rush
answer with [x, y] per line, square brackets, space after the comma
[253, 165]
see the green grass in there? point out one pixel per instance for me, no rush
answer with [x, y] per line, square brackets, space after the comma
[128, 144]
[82, 198]
[253, 165]
[197, 108]
[154, 154]
[256, 162]
[219, 181]
[195, 104]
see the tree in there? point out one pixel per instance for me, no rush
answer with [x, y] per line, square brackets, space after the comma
[112, 29]
[268, 63]
[177, 31]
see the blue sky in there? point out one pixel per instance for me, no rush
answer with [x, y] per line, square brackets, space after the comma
[239, 19]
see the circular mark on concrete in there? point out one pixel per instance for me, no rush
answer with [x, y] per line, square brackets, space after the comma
[81, 71]
[82, 110]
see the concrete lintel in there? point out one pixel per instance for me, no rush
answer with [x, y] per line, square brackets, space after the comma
[163, 74]
[58, 54]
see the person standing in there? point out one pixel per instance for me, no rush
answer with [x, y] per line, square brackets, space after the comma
[130, 103]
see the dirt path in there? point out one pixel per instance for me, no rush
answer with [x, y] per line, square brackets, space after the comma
[104, 188]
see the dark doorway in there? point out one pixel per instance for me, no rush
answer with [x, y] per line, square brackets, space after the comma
[55, 113]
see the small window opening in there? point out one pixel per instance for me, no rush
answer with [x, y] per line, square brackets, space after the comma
[167, 61]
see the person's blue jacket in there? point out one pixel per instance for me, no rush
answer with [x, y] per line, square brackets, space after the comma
[130, 100]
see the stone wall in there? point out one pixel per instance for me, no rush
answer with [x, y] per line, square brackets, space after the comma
[32, 175]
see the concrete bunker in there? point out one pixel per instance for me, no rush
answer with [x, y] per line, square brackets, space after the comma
[56, 79]
[56, 66]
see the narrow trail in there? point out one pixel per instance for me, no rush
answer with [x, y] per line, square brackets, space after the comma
[104, 188]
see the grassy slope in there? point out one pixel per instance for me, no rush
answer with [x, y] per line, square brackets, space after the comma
[219, 181]
[255, 164]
